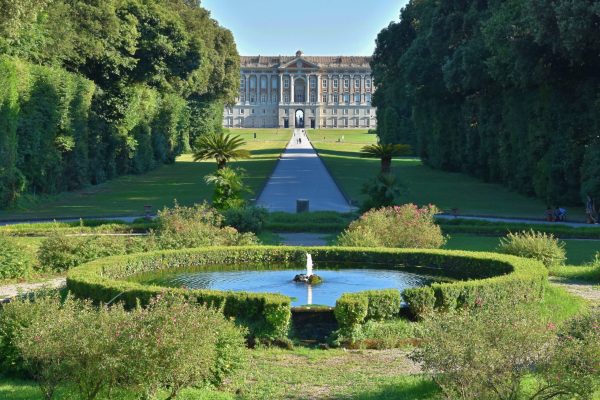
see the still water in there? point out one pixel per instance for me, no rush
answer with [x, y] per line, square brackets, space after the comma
[335, 282]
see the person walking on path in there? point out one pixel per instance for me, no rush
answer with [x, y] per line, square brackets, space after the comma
[590, 211]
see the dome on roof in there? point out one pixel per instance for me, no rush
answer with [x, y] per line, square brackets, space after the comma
[299, 53]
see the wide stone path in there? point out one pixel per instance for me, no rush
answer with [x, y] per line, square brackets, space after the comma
[300, 174]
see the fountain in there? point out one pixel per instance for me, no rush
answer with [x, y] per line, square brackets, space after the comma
[309, 277]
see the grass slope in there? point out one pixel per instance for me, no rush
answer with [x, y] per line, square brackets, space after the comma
[127, 195]
[424, 185]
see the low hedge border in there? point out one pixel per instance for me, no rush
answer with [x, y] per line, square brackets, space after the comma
[483, 278]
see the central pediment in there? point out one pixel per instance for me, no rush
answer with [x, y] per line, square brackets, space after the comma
[299, 63]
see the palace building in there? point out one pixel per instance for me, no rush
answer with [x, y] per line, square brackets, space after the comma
[303, 92]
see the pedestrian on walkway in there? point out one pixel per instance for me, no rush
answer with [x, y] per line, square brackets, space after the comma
[590, 211]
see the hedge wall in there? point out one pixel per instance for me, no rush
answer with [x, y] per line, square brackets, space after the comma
[482, 277]
[53, 136]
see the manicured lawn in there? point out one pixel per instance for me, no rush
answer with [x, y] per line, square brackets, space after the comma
[127, 195]
[578, 251]
[424, 185]
[343, 135]
[263, 134]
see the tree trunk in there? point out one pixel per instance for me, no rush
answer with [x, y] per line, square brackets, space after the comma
[386, 165]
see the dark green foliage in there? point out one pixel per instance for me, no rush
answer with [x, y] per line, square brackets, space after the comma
[93, 90]
[506, 91]
[351, 311]
[246, 219]
[14, 260]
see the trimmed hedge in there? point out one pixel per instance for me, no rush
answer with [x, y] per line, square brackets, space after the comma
[482, 278]
[353, 309]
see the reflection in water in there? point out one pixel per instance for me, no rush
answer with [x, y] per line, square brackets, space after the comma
[335, 282]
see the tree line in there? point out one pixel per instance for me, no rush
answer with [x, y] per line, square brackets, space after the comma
[504, 90]
[93, 89]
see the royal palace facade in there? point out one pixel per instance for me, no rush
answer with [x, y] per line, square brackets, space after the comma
[303, 91]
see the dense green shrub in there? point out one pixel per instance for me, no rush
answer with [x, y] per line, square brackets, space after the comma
[199, 225]
[16, 316]
[15, 262]
[401, 226]
[60, 252]
[420, 300]
[183, 345]
[246, 219]
[491, 351]
[351, 311]
[540, 246]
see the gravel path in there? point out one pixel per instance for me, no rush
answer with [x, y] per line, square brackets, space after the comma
[301, 174]
[9, 291]
[588, 291]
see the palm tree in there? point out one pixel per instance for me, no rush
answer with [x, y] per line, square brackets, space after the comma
[385, 152]
[220, 146]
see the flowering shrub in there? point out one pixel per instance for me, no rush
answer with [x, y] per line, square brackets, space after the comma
[537, 245]
[399, 226]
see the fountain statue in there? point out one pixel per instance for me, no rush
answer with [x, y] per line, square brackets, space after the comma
[309, 277]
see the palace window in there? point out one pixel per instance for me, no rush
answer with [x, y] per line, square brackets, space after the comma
[368, 98]
[368, 123]
[252, 111]
[242, 111]
[324, 83]
[229, 110]
[242, 97]
[274, 96]
[335, 83]
[286, 83]
[263, 98]
[336, 98]
[345, 111]
[313, 83]
[313, 98]
[334, 111]
[346, 98]
[324, 111]
[346, 83]
[357, 83]
[368, 111]
[356, 111]
[286, 111]
[229, 121]
[324, 99]
[357, 98]
[286, 98]
[252, 98]
[368, 83]
[263, 82]
[345, 120]
[243, 83]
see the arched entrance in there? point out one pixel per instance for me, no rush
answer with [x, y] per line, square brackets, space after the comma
[299, 119]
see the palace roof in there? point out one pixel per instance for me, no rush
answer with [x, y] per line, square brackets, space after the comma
[321, 61]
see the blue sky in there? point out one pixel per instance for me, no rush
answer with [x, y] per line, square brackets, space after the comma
[317, 27]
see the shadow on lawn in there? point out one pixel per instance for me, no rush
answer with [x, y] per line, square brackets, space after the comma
[418, 390]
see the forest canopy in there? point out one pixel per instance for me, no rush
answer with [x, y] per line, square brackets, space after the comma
[505, 90]
[92, 89]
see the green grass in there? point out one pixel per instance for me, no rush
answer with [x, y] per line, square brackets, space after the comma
[578, 251]
[263, 134]
[425, 185]
[297, 374]
[127, 195]
[360, 136]
[583, 273]
[559, 305]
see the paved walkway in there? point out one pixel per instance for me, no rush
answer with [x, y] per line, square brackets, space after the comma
[303, 239]
[7, 292]
[300, 174]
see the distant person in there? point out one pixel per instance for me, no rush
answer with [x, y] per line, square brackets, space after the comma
[590, 211]
[560, 214]
[549, 214]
